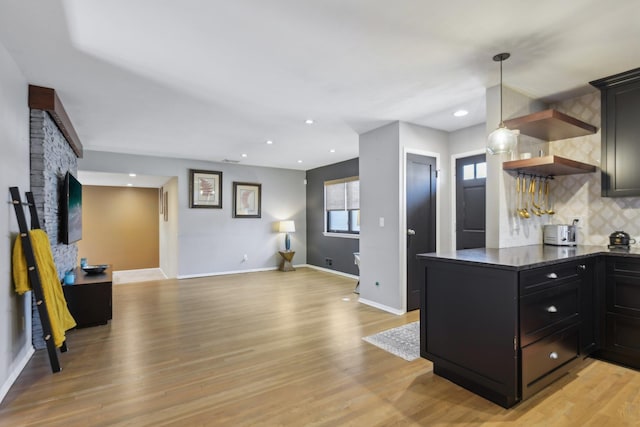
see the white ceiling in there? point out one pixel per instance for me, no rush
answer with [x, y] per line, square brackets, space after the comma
[212, 79]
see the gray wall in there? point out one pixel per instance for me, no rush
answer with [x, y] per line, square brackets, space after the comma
[15, 310]
[211, 241]
[319, 246]
[380, 198]
[471, 139]
[383, 247]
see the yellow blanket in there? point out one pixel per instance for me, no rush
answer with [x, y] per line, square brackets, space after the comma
[59, 315]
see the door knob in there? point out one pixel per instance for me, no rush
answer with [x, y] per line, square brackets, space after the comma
[411, 232]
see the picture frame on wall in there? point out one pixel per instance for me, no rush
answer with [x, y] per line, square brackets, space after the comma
[247, 200]
[205, 189]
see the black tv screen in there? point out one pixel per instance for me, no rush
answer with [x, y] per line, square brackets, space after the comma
[71, 210]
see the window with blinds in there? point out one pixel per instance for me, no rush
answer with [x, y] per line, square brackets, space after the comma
[342, 205]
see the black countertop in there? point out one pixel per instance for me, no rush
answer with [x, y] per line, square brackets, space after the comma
[525, 257]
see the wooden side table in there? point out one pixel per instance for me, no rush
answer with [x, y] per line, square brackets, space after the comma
[89, 298]
[285, 263]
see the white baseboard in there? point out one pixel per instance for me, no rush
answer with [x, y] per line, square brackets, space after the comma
[339, 273]
[381, 306]
[15, 372]
[224, 273]
[128, 277]
[255, 270]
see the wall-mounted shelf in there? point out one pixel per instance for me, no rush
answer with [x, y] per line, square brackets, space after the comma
[548, 166]
[550, 125]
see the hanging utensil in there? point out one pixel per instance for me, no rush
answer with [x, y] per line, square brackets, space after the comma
[532, 193]
[517, 199]
[541, 195]
[525, 210]
[550, 210]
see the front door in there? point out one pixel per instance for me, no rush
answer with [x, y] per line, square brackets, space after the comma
[471, 174]
[421, 220]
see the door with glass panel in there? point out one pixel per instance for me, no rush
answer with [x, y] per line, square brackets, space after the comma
[471, 176]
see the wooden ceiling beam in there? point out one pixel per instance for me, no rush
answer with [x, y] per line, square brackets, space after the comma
[44, 98]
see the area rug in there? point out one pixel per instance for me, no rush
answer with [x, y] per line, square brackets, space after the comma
[403, 341]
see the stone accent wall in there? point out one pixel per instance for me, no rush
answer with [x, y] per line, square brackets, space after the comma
[51, 158]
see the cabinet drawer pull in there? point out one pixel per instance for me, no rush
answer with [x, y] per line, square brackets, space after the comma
[552, 276]
[582, 267]
[552, 309]
[553, 355]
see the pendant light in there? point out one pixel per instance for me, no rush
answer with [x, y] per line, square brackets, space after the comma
[501, 140]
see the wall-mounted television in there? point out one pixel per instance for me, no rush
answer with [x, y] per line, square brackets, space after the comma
[71, 210]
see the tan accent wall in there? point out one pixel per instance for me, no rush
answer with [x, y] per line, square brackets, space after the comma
[120, 226]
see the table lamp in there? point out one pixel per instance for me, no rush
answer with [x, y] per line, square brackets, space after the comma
[287, 226]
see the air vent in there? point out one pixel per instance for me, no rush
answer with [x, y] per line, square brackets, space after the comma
[231, 161]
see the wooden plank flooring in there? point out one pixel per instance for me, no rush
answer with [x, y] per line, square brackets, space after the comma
[275, 349]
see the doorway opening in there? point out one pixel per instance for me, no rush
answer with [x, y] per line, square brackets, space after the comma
[470, 201]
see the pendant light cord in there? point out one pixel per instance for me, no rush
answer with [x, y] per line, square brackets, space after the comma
[501, 121]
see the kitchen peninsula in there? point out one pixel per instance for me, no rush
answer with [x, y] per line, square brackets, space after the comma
[505, 323]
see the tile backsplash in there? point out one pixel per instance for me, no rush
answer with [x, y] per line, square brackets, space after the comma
[578, 196]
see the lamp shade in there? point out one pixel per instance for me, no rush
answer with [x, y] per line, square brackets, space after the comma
[501, 140]
[287, 226]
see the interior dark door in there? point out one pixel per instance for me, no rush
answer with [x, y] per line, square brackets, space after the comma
[421, 220]
[471, 177]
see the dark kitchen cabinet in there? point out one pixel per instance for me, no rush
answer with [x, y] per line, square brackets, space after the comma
[621, 312]
[506, 333]
[90, 299]
[620, 133]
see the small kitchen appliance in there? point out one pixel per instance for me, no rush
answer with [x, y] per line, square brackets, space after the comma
[620, 240]
[559, 235]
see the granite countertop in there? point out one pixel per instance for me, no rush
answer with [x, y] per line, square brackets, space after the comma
[524, 257]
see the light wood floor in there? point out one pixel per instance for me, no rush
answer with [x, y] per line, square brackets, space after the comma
[275, 349]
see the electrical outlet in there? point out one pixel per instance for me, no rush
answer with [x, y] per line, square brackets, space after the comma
[577, 220]
[245, 258]
[328, 261]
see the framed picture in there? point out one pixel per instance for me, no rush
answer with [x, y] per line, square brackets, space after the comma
[205, 189]
[247, 200]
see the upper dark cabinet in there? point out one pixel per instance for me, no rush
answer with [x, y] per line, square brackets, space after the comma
[620, 134]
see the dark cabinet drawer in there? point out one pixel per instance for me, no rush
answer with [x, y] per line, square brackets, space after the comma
[548, 311]
[541, 359]
[623, 266]
[623, 286]
[537, 279]
[623, 294]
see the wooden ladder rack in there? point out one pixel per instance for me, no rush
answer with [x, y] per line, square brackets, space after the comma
[33, 273]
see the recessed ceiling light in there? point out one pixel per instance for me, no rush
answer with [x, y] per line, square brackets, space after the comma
[132, 174]
[309, 121]
[461, 113]
[269, 142]
[299, 161]
[333, 150]
[244, 155]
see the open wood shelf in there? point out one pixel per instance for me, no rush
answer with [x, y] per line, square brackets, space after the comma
[548, 166]
[550, 125]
